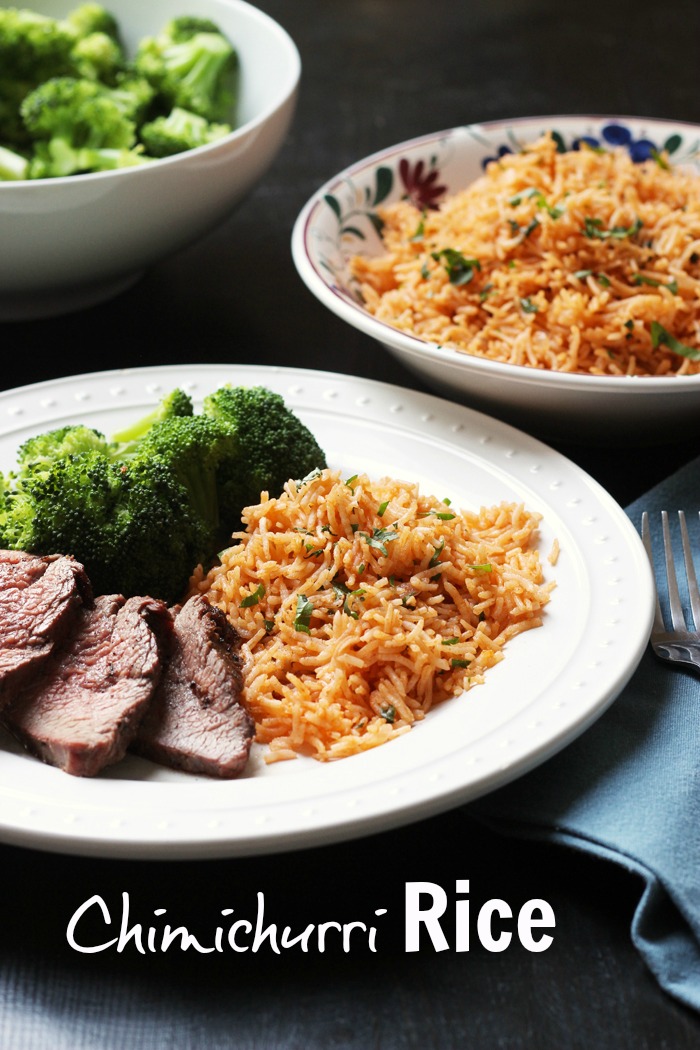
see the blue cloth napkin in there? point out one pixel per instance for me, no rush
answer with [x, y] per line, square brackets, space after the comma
[628, 789]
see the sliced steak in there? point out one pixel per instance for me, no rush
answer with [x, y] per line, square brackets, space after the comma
[84, 706]
[40, 602]
[196, 721]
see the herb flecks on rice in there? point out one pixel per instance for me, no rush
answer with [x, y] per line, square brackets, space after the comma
[363, 604]
[578, 261]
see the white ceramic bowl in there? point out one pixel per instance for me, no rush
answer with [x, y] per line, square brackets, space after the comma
[70, 242]
[340, 221]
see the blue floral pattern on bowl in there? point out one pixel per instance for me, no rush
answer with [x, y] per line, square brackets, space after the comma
[613, 135]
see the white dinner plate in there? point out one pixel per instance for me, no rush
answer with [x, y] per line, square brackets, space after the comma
[554, 682]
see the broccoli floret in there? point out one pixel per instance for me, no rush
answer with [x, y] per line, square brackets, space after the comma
[98, 57]
[37, 454]
[33, 47]
[92, 18]
[178, 132]
[195, 72]
[195, 449]
[187, 26]
[275, 446]
[176, 404]
[78, 128]
[13, 166]
[133, 94]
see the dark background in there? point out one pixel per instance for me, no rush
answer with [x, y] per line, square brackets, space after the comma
[375, 72]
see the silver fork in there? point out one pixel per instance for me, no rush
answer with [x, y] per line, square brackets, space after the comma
[680, 644]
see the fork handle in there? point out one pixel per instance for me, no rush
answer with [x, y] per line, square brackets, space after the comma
[684, 654]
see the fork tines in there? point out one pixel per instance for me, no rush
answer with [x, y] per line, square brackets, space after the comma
[677, 617]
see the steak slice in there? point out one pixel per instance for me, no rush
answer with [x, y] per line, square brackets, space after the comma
[40, 602]
[82, 709]
[196, 721]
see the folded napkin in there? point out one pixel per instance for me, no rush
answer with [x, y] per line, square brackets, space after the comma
[628, 789]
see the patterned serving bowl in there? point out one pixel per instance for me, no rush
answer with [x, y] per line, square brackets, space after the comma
[341, 221]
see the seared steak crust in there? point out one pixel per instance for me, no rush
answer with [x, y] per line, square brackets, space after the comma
[41, 599]
[196, 721]
[83, 707]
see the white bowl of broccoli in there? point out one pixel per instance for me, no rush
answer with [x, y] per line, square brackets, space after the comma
[127, 131]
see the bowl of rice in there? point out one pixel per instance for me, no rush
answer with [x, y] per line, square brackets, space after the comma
[545, 270]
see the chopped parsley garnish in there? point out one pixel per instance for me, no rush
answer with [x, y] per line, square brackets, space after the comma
[486, 567]
[303, 614]
[640, 278]
[660, 337]
[459, 663]
[252, 599]
[346, 596]
[425, 271]
[660, 160]
[388, 712]
[540, 201]
[436, 555]
[442, 515]
[351, 481]
[420, 230]
[600, 277]
[380, 537]
[528, 306]
[450, 641]
[594, 228]
[530, 228]
[459, 269]
[269, 625]
[382, 507]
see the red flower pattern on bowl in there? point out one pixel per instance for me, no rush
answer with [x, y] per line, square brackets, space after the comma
[422, 187]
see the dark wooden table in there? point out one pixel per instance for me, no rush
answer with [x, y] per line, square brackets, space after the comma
[374, 73]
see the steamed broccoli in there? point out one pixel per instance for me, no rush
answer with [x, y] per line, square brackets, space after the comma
[133, 94]
[13, 165]
[132, 527]
[196, 450]
[98, 57]
[51, 129]
[77, 128]
[174, 405]
[87, 19]
[178, 132]
[190, 67]
[275, 445]
[38, 453]
[140, 518]
[143, 508]
[33, 47]
[97, 52]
